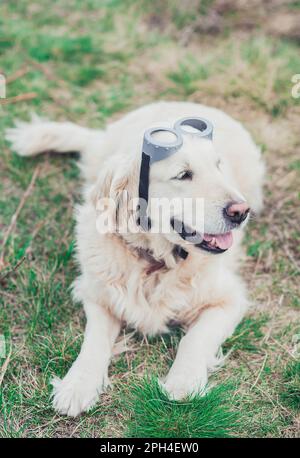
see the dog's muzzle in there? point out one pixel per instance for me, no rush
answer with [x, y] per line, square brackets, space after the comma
[213, 243]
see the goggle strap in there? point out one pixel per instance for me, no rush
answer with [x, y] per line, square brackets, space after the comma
[143, 219]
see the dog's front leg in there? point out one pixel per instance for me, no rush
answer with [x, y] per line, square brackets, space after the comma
[79, 390]
[197, 352]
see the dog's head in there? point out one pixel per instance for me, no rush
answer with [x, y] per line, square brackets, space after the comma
[205, 204]
[196, 174]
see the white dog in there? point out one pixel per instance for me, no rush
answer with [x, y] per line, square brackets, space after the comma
[137, 278]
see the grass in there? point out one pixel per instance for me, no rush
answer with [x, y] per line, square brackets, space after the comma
[90, 64]
[247, 335]
[154, 415]
[291, 389]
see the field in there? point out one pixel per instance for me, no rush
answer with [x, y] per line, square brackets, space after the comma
[89, 62]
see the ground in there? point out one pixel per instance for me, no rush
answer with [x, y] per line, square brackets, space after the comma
[90, 62]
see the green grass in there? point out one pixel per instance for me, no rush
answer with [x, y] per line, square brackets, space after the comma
[291, 385]
[154, 415]
[90, 64]
[247, 335]
[187, 76]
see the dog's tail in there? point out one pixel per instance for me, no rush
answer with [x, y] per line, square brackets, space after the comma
[40, 135]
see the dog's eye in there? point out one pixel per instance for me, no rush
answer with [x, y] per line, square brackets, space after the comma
[184, 175]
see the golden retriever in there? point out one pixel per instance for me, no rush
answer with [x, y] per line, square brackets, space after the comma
[137, 277]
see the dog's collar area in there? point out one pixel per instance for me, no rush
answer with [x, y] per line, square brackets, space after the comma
[159, 264]
[154, 264]
[179, 251]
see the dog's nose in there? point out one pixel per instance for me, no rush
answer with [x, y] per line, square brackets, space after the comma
[237, 212]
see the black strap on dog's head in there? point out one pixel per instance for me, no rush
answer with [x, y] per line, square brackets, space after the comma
[153, 151]
[143, 220]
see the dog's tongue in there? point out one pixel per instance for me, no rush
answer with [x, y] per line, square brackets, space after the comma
[223, 241]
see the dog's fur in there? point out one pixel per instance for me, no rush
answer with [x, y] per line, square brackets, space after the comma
[203, 292]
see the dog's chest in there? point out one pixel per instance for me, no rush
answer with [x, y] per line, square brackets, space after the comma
[149, 298]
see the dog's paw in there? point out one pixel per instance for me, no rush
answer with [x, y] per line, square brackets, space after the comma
[28, 138]
[75, 393]
[179, 387]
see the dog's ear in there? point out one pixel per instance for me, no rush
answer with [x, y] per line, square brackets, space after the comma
[124, 192]
[118, 184]
[125, 179]
[101, 189]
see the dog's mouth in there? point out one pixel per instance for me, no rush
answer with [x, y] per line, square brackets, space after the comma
[213, 243]
[216, 243]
